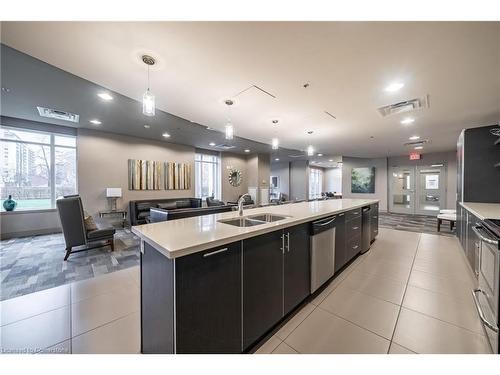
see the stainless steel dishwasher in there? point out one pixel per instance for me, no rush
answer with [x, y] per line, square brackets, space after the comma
[322, 251]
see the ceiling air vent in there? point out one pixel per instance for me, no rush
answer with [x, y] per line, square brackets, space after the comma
[420, 142]
[225, 147]
[404, 106]
[58, 115]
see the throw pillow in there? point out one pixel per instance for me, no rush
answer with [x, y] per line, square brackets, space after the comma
[89, 223]
[168, 206]
[184, 204]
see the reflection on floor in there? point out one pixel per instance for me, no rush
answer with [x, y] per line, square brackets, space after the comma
[409, 293]
[32, 264]
[413, 223]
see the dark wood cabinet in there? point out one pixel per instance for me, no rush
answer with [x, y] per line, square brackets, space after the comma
[472, 242]
[296, 266]
[208, 301]
[340, 246]
[262, 285]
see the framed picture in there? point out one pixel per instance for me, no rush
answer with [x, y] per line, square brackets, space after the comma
[363, 180]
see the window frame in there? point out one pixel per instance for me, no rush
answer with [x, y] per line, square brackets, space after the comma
[199, 162]
[52, 173]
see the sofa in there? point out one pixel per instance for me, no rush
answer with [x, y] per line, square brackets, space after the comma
[159, 214]
[247, 200]
[139, 210]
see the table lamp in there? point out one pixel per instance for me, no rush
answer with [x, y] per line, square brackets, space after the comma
[112, 194]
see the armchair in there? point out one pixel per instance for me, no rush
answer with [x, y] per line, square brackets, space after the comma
[71, 213]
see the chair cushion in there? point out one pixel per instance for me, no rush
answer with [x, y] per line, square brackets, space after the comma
[168, 206]
[450, 217]
[104, 229]
[183, 204]
[145, 206]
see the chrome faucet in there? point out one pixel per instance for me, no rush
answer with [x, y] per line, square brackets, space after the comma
[240, 203]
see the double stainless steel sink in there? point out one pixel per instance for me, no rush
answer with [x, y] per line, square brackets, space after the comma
[252, 220]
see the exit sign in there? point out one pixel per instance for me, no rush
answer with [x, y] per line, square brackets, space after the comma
[414, 156]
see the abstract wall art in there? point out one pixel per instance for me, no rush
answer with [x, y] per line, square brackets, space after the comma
[177, 176]
[145, 175]
[363, 180]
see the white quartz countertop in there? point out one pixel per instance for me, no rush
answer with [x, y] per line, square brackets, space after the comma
[483, 210]
[187, 236]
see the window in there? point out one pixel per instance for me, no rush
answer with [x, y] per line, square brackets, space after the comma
[207, 175]
[315, 183]
[37, 167]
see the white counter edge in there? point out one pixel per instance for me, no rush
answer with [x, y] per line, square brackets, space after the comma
[256, 231]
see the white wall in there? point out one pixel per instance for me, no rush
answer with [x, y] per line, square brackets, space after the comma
[380, 165]
[282, 170]
[299, 180]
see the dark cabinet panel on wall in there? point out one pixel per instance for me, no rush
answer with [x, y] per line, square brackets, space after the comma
[262, 285]
[208, 301]
[481, 179]
[297, 272]
[157, 303]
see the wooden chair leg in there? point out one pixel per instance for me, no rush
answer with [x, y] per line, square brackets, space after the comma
[439, 225]
[68, 251]
[451, 225]
[112, 244]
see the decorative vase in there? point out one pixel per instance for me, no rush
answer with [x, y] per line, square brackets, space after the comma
[9, 204]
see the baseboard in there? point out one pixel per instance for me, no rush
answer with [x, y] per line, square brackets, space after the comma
[6, 236]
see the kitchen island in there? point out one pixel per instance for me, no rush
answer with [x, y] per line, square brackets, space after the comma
[209, 286]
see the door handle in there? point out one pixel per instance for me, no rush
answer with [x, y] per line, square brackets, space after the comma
[480, 311]
[321, 224]
[483, 238]
[214, 252]
[283, 243]
[288, 241]
[354, 228]
[355, 247]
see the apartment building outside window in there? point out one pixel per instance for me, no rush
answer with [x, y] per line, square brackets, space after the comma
[207, 175]
[36, 167]
[315, 183]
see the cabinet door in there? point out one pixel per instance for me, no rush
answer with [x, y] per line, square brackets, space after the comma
[297, 268]
[340, 245]
[262, 285]
[374, 221]
[353, 247]
[208, 301]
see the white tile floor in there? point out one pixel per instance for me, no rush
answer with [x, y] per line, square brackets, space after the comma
[409, 294]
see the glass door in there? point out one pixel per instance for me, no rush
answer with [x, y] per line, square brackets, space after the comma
[431, 190]
[402, 190]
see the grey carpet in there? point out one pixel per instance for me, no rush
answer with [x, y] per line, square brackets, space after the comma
[31, 264]
[414, 223]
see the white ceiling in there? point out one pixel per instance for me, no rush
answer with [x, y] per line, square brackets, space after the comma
[347, 64]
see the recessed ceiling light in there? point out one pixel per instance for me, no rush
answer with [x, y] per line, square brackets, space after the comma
[211, 144]
[247, 150]
[314, 161]
[394, 87]
[166, 135]
[407, 121]
[147, 126]
[5, 89]
[310, 132]
[330, 160]
[95, 122]
[105, 96]
[320, 154]
[414, 138]
[419, 147]
[277, 159]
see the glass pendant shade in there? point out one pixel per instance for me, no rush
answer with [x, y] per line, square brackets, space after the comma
[275, 143]
[148, 103]
[229, 130]
[310, 151]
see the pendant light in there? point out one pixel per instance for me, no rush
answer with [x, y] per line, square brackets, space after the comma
[275, 143]
[229, 129]
[148, 99]
[310, 151]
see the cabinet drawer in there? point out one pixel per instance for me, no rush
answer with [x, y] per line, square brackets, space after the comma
[353, 247]
[353, 228]
[353, 214]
